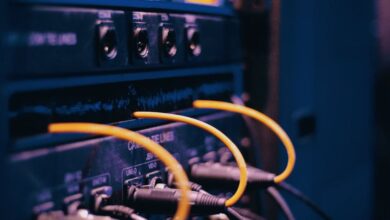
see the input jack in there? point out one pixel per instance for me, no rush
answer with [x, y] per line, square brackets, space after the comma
[107, 42]
[141, 42]
[194, 45]
[168, 40]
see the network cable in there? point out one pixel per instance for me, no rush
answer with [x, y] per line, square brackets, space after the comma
[306, 200]
[228, 143]
[234, 214]
[183, 206]
[121, 212]
[256, 178]
[262, 118]
[228, 175]
[278, 198]
[247, 213]
[163, 200]
[159, 198]
[231, 212]
[283, 137]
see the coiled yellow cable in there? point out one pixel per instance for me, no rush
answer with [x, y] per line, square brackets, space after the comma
[183, 208]
[229, 144]
[262, 118]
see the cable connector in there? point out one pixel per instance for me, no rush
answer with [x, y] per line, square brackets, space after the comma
[100, 197]
[164, 201]
[193, 186]
[121, 212]
[217, 173]
[260, 177]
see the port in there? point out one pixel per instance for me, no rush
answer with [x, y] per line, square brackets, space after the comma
[72, 203]
[168, 41]
[100, 197]
[210, 156]
[141, 40]
[137, 181]
[155, 175]
[107, 42]
[194, 45]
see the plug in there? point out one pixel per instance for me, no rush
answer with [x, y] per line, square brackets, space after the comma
[217, 174]
[164, 200]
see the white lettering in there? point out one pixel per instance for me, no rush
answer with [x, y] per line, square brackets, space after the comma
[73, 177]
[52, 39]
[160, 138]
[104, 14]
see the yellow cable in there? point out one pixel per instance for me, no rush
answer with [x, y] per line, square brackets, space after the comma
[221, 136]
[183, 208]
[271, 124]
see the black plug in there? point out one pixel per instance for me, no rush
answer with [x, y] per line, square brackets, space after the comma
[173, 184]
[121, 212]
[217, 174]
[162, 200]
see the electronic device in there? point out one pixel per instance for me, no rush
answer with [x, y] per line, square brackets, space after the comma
[99, 61]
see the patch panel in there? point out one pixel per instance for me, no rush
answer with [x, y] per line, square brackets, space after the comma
[105, 164]
[58, 41]
[100, 63]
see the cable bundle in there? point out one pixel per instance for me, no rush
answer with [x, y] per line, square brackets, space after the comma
[237, 172]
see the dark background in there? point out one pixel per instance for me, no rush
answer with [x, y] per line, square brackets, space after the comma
[332, 97]
[328, 68]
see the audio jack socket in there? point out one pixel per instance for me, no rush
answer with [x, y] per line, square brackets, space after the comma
[168, 41]
[141, 40]
[194, 46]
[107, 42]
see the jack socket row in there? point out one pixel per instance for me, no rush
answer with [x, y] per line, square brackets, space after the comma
[168, 43]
